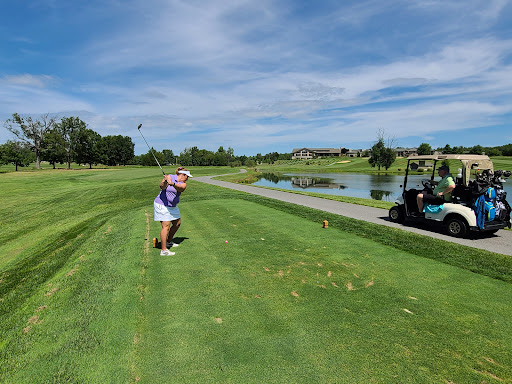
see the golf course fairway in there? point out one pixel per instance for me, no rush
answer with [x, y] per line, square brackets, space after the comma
[84, 298]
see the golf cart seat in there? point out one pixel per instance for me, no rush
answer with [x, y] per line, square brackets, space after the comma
[410, 198]
[461, 194]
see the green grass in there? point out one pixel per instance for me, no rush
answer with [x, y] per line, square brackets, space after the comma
[83, 298]
[338, 164]
[358, 164]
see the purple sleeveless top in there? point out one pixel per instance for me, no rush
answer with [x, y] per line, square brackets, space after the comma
[169, 196]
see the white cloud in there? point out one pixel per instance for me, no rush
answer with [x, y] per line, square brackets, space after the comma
[262, 72]
[29, 80]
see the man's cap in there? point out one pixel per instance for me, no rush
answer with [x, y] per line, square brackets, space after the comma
[186, 173]
[444, 168]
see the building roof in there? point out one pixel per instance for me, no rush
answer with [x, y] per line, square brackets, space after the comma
[324, 150]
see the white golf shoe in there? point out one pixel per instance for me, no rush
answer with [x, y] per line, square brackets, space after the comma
[166, 252]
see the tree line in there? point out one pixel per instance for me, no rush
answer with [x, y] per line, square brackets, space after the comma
[202, 157]
[69, 140]
[65, 141]
[503, 150]
[383, 155]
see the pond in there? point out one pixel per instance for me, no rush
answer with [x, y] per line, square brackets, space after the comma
[368, 186]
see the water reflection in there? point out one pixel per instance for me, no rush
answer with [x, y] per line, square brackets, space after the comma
[302, 181]
[378, 194]
[315, 182]
[368, 186]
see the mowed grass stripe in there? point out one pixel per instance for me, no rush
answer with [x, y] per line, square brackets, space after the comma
[313, 305]
[353, 303]
[79, 325]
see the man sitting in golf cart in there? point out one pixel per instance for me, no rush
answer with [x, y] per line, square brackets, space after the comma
[442, 192]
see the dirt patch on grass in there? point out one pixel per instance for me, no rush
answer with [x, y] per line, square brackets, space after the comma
[34, 320]
[489, 360]
[52, 291]
[486, 373]
[73, 271]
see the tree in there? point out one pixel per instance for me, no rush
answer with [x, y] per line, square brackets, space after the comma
[168, 156]
[447, 149]
[31, 132]
[115, 150]
[494, 152]
[230, 154]
[126, 149]
[476, 150]
[506, 150]
[220, 158]
[189, 156]
[424, 149]
[86, 147]
[67, 128]
[54, 150]
[17, 153]
[148, 160]
[382, 156]
[377, 153]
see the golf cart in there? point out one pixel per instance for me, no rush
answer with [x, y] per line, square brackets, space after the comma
[478, 201]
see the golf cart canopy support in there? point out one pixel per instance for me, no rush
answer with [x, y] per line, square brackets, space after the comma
[469, 162]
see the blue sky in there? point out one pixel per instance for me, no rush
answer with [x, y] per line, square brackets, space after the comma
[263, 76]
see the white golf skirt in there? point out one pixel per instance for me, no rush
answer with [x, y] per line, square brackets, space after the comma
[163, 213]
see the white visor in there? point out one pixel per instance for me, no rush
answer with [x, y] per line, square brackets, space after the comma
[186, 173]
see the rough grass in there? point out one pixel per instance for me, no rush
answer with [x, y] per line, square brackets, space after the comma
[83, 298]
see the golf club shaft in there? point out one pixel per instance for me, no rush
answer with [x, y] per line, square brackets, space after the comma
[140, 125]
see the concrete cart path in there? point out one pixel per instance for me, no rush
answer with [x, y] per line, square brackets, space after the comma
[500, 242]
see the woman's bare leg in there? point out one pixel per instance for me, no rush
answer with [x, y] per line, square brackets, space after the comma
[163, 233]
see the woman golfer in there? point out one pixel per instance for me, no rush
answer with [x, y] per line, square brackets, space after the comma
[166, 208]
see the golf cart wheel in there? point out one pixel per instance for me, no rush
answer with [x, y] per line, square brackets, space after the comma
[396, 215]
[456, 227]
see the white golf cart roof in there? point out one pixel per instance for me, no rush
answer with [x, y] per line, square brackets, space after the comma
[478, 162]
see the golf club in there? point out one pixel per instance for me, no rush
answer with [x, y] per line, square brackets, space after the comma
[140, 125]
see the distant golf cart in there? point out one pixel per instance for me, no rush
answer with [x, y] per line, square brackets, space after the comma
[478, 201]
